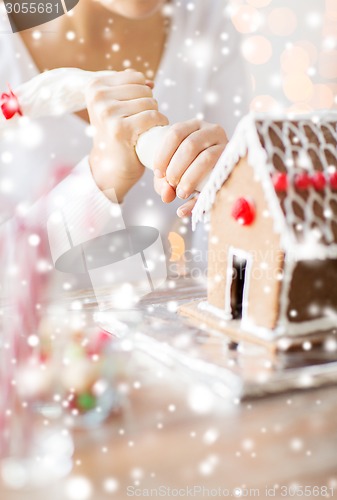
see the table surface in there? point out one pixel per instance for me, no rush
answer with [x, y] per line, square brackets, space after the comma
[163, 437]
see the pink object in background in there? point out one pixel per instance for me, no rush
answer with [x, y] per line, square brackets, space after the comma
[10, 105]
[23, 253]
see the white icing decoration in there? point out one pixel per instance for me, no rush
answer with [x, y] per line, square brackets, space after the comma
[303, 146]
[221, 313]
[287, 329]
[288, 268]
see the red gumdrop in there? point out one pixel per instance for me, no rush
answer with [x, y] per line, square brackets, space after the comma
[318, 181]
[280, 182]
[10, 105]
[333, 180]
[243, 211]
[302, 181]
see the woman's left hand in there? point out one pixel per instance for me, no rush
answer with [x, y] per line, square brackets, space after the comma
[190, 151]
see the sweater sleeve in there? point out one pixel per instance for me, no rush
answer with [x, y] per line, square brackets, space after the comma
[78, 211]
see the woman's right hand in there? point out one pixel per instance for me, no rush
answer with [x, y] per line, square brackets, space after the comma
[120, 107]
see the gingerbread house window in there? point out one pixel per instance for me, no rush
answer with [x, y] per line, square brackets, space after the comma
[238, 286]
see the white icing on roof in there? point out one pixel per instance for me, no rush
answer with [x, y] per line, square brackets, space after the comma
[292, 145]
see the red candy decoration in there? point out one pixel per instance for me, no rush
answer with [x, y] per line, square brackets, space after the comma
[280, 182]
[333, 180]
[303, 181]
[318, 181]
[100, 341]
[10, 105]
[243, 211]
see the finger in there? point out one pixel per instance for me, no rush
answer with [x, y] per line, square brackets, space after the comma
[174, 137]
[143, 121]
[198, 170]
[158, 184]
[124, 77]
[125, 92]
[186, 209]
[119, 78]
[124, 109]
[165, 191]
[167, 194]
[188, 151]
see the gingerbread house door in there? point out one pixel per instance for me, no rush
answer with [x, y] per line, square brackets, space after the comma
[237, 283]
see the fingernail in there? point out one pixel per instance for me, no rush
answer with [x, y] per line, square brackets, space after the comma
[181, 193]
[181, 212]
[158, 174]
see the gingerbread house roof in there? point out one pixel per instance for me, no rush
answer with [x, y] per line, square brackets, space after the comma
[295, 159]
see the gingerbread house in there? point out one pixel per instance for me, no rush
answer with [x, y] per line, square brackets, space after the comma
[271, 206]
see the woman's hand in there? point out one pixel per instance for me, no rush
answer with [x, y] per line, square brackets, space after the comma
[121, 107]
[189, 152]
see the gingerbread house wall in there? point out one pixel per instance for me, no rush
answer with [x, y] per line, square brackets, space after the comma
[313, 291]
[259, 241]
